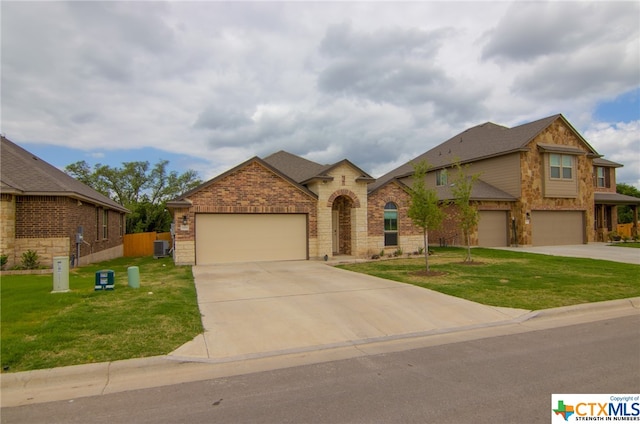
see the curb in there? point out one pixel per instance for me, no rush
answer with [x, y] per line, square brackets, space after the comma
[37, 386]
[631, 303]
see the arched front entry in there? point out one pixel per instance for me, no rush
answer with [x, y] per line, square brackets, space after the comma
[341, 220]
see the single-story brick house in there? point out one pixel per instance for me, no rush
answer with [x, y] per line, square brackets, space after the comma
[540, 183]
[42, 209]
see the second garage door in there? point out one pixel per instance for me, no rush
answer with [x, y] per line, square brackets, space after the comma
[224, 238]
[492, 228]
[552, 228]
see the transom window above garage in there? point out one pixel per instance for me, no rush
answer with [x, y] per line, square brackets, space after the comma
[561, 166]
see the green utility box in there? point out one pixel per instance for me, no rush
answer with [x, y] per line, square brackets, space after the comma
[105, 280]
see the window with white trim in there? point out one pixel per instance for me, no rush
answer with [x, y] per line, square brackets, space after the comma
[390, 224]
[105, 224]
[561, 166]
[601, 180]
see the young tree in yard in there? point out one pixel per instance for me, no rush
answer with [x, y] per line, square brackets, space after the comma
[461, 188]
[424, 210]
[142, 189]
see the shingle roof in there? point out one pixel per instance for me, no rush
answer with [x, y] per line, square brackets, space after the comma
[297, 168]
[302, 170]
[480, 191]
[605, 162]
[479, 142]
[26, 174]
[615, 199]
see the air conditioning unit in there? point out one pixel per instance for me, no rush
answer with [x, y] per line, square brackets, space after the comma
[160, 249]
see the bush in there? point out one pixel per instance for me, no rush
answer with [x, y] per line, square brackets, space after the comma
[30, 260]
[3, 261]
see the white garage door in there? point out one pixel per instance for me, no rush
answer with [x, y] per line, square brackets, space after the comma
[224, 238]
[557, 228]
[492, 228]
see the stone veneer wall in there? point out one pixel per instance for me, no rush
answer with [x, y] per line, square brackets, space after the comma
[250, 189]
[46, 248]
[344, 184]
[8, 228]
[532, 196]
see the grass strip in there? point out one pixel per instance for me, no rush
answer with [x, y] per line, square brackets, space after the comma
[513, 279]
[41, 329]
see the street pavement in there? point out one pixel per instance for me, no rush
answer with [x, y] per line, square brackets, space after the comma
[506, 379]
[264, 316]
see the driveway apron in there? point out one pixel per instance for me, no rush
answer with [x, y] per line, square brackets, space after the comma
[267, 308]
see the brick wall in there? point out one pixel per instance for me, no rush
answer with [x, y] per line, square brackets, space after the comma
[47, 218]
[250, 189]
[410, 237]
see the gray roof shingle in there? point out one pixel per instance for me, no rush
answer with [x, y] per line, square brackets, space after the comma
[26, 174]
[479, 142]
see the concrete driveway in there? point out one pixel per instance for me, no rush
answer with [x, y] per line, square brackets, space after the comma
[253, 310]
[604, 251]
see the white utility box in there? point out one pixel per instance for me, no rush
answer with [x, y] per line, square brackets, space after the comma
[60, 274]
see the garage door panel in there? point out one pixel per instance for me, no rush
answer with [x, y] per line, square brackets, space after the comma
[224, 238]
[556, 228]
[492, 228]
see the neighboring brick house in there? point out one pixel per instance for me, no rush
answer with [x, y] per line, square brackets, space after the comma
[42, 209]
[538, 184]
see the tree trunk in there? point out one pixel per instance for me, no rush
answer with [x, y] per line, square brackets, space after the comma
[468, 258]
[426, 248]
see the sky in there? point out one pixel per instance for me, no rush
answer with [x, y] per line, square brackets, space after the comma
[209, 85]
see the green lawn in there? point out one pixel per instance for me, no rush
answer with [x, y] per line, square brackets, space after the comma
[513, 279]
[41, 329]
[627, 244]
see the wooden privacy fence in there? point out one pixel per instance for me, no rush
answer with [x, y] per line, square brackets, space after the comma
[141, 244]
[625, 230]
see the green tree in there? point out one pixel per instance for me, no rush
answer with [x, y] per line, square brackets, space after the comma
[461, 188]
[139, 187]
[625, 213]
[424, 210]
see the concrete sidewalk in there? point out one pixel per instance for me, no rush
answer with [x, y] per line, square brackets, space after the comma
[603, 251]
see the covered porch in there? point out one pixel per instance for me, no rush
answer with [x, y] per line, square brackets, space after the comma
[606, 213]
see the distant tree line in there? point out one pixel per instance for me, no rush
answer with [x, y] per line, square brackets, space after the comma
[139, 187]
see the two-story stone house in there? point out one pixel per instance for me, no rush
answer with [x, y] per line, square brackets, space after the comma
[539, 183]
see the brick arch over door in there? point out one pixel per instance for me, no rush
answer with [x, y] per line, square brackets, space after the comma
[344, 192]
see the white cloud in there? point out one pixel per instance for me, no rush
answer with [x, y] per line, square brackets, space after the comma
[372, 82]
[619, 142]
